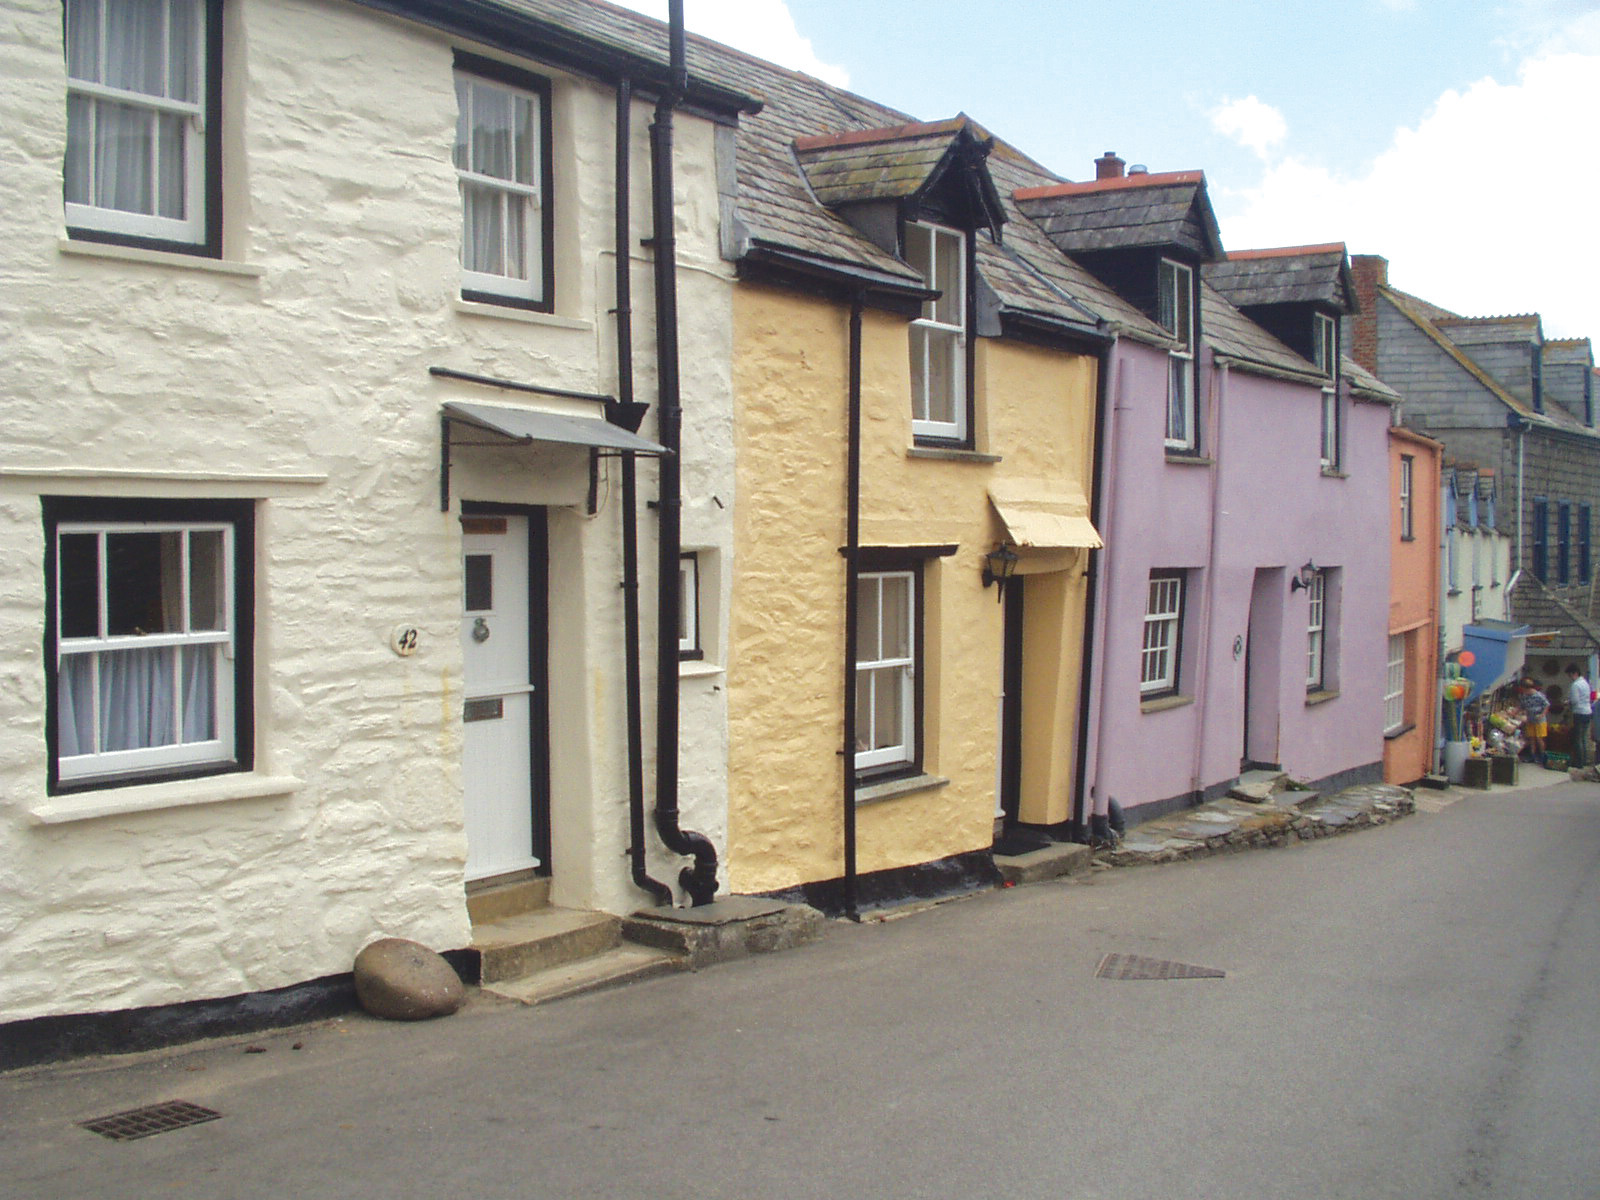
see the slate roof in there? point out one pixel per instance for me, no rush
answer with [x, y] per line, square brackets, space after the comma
[1569, 352]
[1286, 275]
[1453, 335]
[1364, 385]
[876, 164]
[1236, 337]
[1127, 212]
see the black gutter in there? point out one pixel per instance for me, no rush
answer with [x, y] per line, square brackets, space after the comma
[852, 571]
[629, 411]
[548, 41]
[1079, 831]
[700, 880]
[513, 386]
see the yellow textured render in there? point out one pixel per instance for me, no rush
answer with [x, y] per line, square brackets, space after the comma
[1035, 408]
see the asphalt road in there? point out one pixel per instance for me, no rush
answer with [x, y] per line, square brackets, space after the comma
[1407, 1011]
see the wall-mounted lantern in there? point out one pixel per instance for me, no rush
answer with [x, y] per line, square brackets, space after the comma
[1305, 579]
[999, 565]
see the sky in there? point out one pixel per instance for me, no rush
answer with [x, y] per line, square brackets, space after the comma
[1458, 139]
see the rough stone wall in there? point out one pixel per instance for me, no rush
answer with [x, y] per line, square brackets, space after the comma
[296, 375]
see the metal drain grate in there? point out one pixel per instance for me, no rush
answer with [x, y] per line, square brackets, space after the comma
[1136, 966]
[152, 1119]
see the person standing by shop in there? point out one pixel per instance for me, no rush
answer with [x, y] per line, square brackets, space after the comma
[1535, 710]
[1581, 700]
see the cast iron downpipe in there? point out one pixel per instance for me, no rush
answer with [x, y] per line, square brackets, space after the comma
[1081, 804]
[700, 880]
[852, 575]
[659, 891]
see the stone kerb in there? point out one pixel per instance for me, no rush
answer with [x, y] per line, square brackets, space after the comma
[1227, 826]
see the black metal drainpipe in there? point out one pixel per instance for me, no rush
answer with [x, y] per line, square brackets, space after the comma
[852, 574]
[1103, 401]
[659, 891]
[700, 880]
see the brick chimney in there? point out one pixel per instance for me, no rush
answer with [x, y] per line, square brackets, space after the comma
[1108, 166]
[1368, 272]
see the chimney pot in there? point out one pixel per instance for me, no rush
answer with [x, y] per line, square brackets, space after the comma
[1108, 166]
[1138, 169]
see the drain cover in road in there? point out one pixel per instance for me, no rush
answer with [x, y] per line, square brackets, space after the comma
[1136, 966]
[152, 1119]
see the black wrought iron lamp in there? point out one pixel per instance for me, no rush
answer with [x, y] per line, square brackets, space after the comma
[999, 565]
[1305, 579]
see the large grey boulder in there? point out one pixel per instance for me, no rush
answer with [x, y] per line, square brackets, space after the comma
[401, 980]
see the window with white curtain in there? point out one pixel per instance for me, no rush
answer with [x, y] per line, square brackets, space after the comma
[939, 336]
[886, 650]
[1175, 311]
[141, 82]
[502, 163]
[147, 641]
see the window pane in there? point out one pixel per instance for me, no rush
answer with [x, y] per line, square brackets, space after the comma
[138, 698]
[207, 581]
[887, 708]
[896, 641]
[123, 143]
[514, 220]
[1166, 296]
[199, 700]
[182, 75]
[491, 134]
[78, 568]
[76, 170]
[943, 348]
[479, 575]
[918, 251]
[526, 144]
[463, 121]
[950, 307]
[867, 639]
[1184, 305]
[1178, 400]
[171, 202]
[483, 243]
[863, 711]
[136, 45]
[83, 39]
[144, 588]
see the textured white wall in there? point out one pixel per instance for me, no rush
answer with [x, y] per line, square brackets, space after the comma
[301, 381]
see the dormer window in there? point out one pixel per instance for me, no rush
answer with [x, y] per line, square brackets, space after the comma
[1325, 356]
[1175, 311]
[939, 336]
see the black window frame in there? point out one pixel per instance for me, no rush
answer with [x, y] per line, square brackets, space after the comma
[241, 514]
[210, 245]
[1564, 541]
[495, 70]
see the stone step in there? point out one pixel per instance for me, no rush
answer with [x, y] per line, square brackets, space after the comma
[1257, 787]
[726, 929]
[495, 900]
[1047, 862]
[624, 964]
[536, 941]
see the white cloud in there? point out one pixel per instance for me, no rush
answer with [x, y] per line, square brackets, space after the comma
[1252, 123]
[1485, 206]
[764, 28]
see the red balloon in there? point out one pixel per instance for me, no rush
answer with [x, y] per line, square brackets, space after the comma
[1466, 658]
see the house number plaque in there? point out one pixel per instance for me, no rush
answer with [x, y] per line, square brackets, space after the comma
[403, 639]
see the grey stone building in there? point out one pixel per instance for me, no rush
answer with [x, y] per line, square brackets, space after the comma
[1502, 397]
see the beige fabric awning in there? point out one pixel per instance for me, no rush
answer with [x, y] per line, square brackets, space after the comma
[1038, 517]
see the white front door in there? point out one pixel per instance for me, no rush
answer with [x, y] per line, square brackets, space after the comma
[498, 746]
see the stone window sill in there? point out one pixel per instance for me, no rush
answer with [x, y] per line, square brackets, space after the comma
[949, 454]
[155, 797]
[698, 668]
[1322, 696]
[890, 788]
[1333, 473]
[1391, 734]
[160, 258]
[1163, 703]
[1183, 458]
[506, 312]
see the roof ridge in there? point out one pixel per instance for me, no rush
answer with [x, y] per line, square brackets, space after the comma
[1164, 179]
[1289, 251]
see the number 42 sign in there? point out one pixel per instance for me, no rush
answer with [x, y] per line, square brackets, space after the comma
[403, 640]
